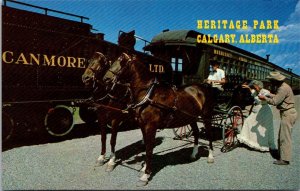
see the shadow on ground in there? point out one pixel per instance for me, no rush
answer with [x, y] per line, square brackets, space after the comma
[42, 137]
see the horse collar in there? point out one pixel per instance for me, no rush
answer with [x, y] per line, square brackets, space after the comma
[147, 96]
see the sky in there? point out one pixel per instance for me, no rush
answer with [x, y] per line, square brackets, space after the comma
[149, 17]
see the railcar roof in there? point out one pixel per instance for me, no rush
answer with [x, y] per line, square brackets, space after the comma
[189, 38]
[177, 36]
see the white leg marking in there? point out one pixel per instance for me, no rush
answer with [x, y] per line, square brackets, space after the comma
[210, 158]
[144, 168]
[112, 159]
[100, 160]
[111, 163]
[143, 181]
[101, 157]
[195, 152]
[145, 177]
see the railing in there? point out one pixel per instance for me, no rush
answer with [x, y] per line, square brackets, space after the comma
[46, 9]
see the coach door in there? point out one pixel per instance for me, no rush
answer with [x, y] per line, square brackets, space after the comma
[177, 66]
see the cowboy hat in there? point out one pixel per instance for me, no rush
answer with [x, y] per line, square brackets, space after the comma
[276, 76]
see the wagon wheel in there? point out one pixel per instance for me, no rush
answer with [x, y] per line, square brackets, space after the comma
[232, 126]
[182, 132]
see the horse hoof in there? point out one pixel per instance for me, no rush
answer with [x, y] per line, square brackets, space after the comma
[110, 168]
[99, 163]
[210, 160]
[141, 183]
[141, 173]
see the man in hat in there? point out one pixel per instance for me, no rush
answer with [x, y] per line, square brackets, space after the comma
[285, 103]
[217, 76]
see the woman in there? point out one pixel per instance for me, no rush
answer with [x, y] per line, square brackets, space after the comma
[258, 132]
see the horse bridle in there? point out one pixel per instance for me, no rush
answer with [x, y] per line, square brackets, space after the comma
[114, 80]
[98, 69]
[116, 74]
[114, 83]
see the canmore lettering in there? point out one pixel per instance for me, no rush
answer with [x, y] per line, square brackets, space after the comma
[9, 57]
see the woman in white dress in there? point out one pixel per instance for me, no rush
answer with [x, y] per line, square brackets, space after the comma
[258, 132]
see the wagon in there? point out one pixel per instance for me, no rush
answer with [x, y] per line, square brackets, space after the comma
[228, 117]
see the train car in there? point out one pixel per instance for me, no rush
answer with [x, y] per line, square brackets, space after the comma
[190, 60]
[43, 58]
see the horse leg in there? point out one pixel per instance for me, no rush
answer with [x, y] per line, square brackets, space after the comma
[143, 140]
[142, 149]
[150, 132]
[101, 159]
[196, 140]
[114, 132]
[208, 128]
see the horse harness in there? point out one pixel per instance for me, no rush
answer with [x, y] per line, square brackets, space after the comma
[146, 101]
[95, 103]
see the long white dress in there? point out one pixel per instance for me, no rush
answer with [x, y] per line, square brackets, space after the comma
[258, 132]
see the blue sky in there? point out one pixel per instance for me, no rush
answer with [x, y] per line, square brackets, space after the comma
[150, 17]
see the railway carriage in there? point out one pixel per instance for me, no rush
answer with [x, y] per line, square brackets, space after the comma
[190, 60]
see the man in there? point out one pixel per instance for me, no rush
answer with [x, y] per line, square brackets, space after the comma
[217, 76]
[285, 102]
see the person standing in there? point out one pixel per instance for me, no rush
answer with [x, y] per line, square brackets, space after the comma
[257, 132]
[285, 102]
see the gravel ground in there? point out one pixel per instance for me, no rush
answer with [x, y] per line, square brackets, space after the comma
[70, 165]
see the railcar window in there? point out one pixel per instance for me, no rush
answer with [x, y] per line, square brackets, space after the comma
[173, 63]
[261, 73]
[180, 65]
[176, 64]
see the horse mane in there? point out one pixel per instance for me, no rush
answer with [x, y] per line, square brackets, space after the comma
[142, 69]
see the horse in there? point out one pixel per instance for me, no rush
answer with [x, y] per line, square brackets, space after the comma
[158, 106]
[113, 101]
[110, 103]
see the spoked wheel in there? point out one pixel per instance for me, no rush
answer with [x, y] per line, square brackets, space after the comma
[232, 126]
[182, 132]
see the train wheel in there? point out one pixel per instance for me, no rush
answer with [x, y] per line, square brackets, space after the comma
[59, 121]
[182, 132]
[7, 126]
[232, 126]
[87, 115]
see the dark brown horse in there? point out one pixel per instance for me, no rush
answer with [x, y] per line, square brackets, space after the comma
[110, 101]
[158, 106]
